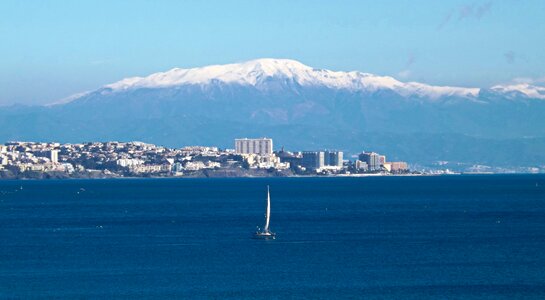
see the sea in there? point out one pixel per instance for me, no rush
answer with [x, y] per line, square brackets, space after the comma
[390, 237]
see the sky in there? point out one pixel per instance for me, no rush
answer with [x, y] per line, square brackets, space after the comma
[50, 50]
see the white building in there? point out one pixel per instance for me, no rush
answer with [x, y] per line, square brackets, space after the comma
[261, 146]
[265, 161]
[199, 165]
[129, 162]
[54, 156]
[64, 167]
[150, 168]
[361, 165]
[200, 150]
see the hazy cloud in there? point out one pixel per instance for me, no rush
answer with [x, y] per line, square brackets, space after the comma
[510, 57]
[404, 74]
[469, 11]
[411, 59]
[474, 10]
[446, 20]
[530, 80]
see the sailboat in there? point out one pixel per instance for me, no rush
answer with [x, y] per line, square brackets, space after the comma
[265, 233]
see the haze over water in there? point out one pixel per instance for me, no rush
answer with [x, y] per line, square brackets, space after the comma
[382, 237]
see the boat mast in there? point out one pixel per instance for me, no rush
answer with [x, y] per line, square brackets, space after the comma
[268, 211]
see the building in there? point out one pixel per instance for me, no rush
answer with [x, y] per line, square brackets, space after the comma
[261, 146]
[382, 159]
[294, 159]
[54, 156]
[387, 166]
[399, 166]
[199, 150]
[333, 158]
[361, 166]
[372, 159]
[265, 161]
[150, 168]
[199, 165]
[129, 162]
[313, 160]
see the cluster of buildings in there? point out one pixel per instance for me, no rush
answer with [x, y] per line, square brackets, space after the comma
[32, 157]
[372, 162]
[142, 159]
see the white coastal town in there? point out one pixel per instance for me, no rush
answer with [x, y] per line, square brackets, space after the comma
[251, 157]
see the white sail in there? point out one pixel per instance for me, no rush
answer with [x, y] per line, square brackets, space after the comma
[268, 211]
[266, 233]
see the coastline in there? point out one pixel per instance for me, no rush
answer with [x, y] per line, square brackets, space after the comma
[68, 178]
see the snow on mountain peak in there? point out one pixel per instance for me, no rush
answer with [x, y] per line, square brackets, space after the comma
[525, 89]
[247, 73]
[256, 72]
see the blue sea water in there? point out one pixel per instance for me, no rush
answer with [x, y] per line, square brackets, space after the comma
[447, 237]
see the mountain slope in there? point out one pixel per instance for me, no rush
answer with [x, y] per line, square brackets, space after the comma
[264, 74]
[301, 108]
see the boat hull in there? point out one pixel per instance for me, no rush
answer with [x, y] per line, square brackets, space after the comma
[264, 235]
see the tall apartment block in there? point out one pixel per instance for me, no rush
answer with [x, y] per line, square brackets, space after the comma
[261, 146]
[313, 160]
[333, 158]
[372, 159]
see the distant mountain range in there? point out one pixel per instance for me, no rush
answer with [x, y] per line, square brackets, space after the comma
[301, 108]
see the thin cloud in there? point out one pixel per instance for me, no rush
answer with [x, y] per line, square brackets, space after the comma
[530, 80]
[410, 60]
[406, 73]
[510, 57]
[483, 9]
[475, 11]
[446, 20]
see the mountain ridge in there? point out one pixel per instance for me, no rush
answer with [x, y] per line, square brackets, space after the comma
[300, 107]
[256, 72]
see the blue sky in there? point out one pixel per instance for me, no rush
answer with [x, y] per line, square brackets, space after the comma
[52, 49]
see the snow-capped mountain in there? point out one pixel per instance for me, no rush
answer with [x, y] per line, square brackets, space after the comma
[302, 108]
[288, 75]
[520, 90]
[259, 74]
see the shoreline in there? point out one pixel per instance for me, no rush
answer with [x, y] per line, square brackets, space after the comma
[260, 177]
